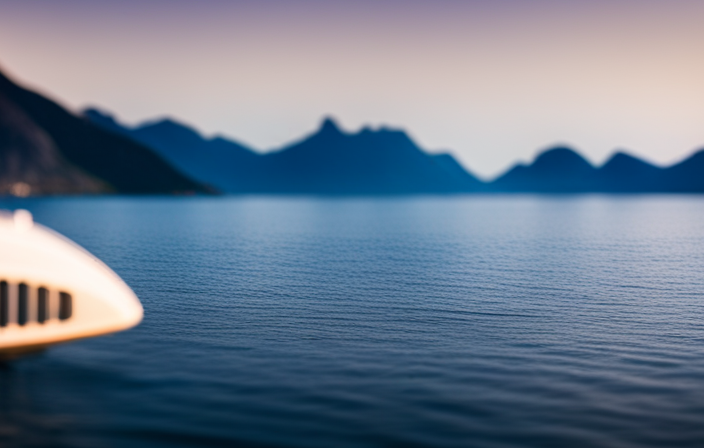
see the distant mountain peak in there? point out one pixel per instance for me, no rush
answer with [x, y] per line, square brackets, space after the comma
[329, 126]
[620, 157]
[94, 112]
[103, 119]
[560, 152]
[620, 154]
[559, 158]
[166, 123]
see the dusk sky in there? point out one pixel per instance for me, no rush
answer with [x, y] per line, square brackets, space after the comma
[491, 81]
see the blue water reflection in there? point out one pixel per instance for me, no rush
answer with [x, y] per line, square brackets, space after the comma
[481, 321]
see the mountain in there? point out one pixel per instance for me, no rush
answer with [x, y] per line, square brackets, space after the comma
[30, 162]
[623, 173]
[562, 170]
[386, 161]
[686, 176]
[222, 163]
[557, 170]
[329, 161]
[51, 151]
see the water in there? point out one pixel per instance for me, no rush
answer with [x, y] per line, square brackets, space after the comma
[447, 322]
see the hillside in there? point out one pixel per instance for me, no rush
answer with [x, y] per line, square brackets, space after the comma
[53, 151]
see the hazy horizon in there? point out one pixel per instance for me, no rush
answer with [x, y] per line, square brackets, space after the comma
[492, 82]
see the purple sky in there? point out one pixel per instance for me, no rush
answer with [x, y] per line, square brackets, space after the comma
[493, 81]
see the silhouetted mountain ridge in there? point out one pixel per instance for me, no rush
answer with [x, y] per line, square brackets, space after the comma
[624, 173]
[563, 170]
[558, 169]
[328, 161]
[387, 161]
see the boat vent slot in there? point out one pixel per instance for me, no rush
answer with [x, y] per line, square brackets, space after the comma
[65, 305]
[42, 305]
[20, 305]
[23, 304]
[4, 304]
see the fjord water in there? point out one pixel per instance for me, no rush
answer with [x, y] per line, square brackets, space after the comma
[494, 321]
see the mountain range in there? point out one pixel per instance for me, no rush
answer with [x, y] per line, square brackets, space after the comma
[387, 161]
[329, 161]
[45, 149]
[562, 170]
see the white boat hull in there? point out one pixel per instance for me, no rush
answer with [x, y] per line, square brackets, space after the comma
[53, 291]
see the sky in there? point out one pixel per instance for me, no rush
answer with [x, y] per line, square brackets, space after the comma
[493, 82]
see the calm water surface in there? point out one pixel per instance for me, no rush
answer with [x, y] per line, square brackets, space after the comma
[504, 321]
